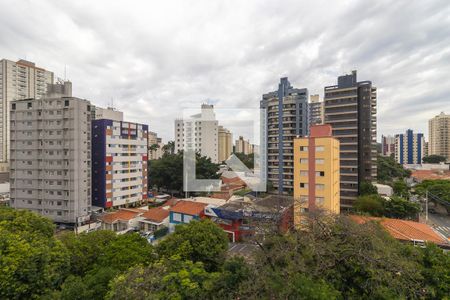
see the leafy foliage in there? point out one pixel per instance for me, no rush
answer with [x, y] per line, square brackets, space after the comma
[199, 241]
[400, 188]
[32, 261]
[367, 188]
[388, 170]
[167, 173]
[433, 159]
[247, 159]
[439, 188]
[396, 207]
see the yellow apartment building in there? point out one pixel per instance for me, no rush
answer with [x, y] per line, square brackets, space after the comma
[316, 172]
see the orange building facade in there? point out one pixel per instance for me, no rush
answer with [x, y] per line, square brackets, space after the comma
[316, 172]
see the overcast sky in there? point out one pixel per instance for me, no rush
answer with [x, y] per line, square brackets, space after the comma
[155, 58]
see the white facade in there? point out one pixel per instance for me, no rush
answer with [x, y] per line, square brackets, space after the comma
[108, 113]
[200, 133]
[18, 80]
[50, 168]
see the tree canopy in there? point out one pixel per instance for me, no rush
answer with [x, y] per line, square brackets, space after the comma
[396, 207]
[388, 170]
[167, 172]
[439, 188]
[433, 159]
[367, 188]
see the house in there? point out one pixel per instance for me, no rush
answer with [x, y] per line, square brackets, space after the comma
[185, 211]
[241, 217]
[121, 220]
[407, 231]
[154, 219]
[384, 190]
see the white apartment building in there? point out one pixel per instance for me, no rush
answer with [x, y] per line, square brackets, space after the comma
[50, 162]
[18, 80]
[199, 133]
[119, 163]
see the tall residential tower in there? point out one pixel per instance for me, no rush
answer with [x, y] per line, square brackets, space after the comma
[409, 147]
[18, 80]
[439, 135]
[350, 108]
[286, 117]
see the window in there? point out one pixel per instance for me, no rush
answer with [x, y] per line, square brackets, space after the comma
[320, 161]
[13, 106]
[176, 217]
[303, 160]
[187, 218]
[320, 173]
[320, 148]
[303, 185]
[320, 187]
[303, 173]
[320, 200]
[303, 148]
[66, 102]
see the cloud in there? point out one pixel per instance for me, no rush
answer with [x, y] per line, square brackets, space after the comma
[155, 58]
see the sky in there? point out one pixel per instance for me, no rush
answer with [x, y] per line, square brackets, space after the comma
[152, 59]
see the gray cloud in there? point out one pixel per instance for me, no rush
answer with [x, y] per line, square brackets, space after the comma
[155, 58]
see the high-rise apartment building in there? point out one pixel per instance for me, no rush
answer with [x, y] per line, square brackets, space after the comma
[18, 80]
[155, 146]
[50, 162]
[316, 172]
[409, 147]
[387, 145]
[199, 133]
[225, 143]
[350, 108]
[286, 117]
[119, 163]
[315, 110]
[243, 146]
[439, 135]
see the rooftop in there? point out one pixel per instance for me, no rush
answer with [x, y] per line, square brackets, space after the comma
[188, 207]
[405, 230]
[121, 215]
[157, 214]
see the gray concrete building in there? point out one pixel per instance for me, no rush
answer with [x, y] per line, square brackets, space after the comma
[50, 162]
[18, 80]
[286, 117]
[350, 108]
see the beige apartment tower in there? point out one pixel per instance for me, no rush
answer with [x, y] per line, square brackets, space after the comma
[50, 162]
[18, 80]
[439, 135]
[225, 144]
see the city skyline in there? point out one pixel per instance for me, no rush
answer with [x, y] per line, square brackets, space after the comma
[152, 70]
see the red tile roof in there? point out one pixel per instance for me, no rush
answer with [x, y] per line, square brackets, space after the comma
[120, 215]
[405, 230]
[430, 174]
[157, 214]
[188, 207]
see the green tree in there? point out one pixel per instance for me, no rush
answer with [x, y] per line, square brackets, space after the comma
[436, 271]
[171, 278]
[388, 170]
[434, 159]
[399, 208]
[169, 148]
[367, 188]
[370, 204]
[202, 241]
[439, 188]
[400, 188]
[32, 261]
[247, 159]
[167, 173]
